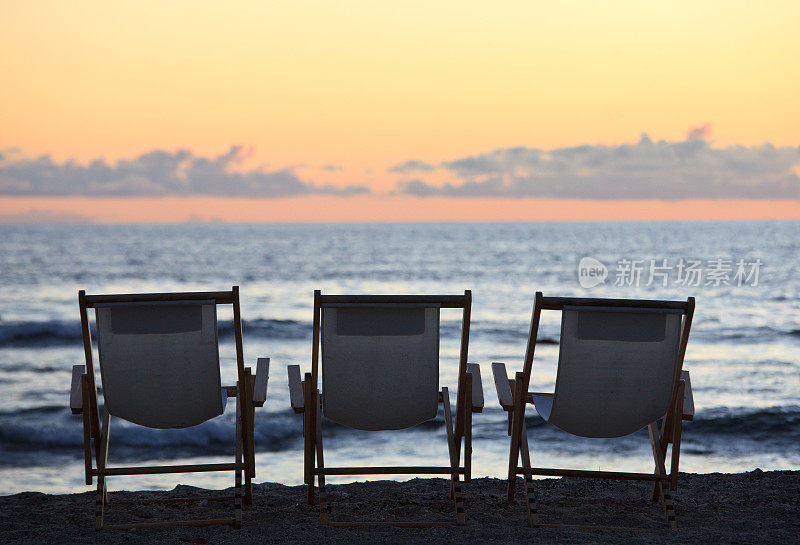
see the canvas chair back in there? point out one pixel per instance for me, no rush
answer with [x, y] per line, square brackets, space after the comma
[380, 364]
[159, 362]
[616, 369]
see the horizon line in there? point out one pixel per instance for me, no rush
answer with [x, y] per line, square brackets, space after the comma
[370, 209]
[375, 222]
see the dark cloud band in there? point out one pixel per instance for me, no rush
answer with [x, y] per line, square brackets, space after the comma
[411, 166]
[645, 170]
[156, 173]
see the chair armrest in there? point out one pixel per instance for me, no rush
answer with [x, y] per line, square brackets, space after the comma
[477, 387]
[295, 388]
[260, 382]
[231, 391]
[75, 391]
[688, 398]
[502, 386]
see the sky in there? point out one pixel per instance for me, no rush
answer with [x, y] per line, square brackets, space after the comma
[398, 111]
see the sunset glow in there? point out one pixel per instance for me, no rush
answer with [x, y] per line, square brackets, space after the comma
[338, 93]
[375, 209]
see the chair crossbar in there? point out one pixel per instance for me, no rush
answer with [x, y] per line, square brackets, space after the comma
[396, 470]
[219, 297]
[148, 470]
[444, 301]
[558, 303]
[548, 472]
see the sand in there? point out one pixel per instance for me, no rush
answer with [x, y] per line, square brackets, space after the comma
[755, 507]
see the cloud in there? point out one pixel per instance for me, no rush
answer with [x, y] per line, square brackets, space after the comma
[332, 168]
[411, 166]
[156, 173]
[701, 132]
[687, 169]
[419, 188]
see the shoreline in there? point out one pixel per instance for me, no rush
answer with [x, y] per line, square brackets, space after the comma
[753, 507]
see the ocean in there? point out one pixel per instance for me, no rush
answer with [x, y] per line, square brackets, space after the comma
[743, 351]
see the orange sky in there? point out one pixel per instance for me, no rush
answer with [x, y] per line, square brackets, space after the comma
[364, 85]
[386, 209]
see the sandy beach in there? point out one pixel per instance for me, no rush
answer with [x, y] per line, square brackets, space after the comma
[754, 507]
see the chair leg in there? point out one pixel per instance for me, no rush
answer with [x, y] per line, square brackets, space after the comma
[324, 509]
[101, 447]
[676, 436]
[458, 499]
[467, 428]
[251, 426]
[237, 500]
[308, 440]
[669, 506]
[249, 432]
[517, 423]
[237, 484]
[248, 490]
[676, 454]
[100, 503]
[663, 483]
[87, 429]
[455, 482]
[530, 492]
[656, 491]
[245, 435]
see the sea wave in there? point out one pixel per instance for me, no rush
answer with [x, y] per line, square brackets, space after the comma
[60, 333]
[48, 333]
[270, 329]
[44, 429]
[57, 332]
[745, 334]
[765, 425]
[53, 429]
[768, 423]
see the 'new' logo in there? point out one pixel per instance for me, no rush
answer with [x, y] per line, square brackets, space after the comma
[591, 272]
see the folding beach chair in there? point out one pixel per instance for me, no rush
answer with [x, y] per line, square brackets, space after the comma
[159, 366]
[380, 371]
[619, 370]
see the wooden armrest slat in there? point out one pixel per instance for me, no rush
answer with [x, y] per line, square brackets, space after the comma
[295, 388]
[75, 392]
[502, 386]
[260, 383]
[477, 387]
[231, 391]
[688, 398]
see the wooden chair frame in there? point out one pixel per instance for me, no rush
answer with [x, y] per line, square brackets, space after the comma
[307, 399]
[250, 391]
[514, 396]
